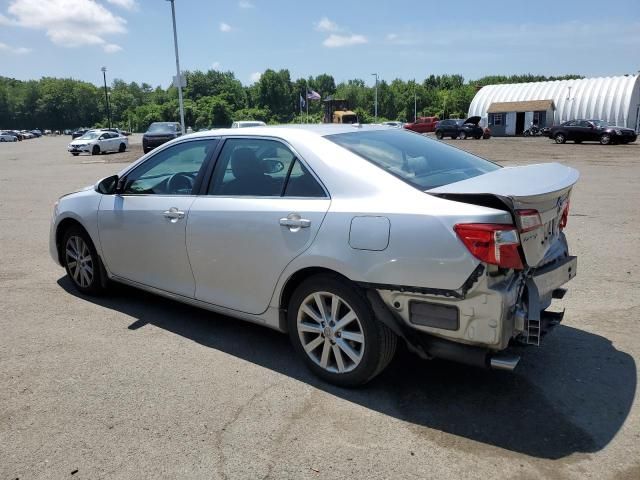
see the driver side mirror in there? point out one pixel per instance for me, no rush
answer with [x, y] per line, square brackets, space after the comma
[109, 185]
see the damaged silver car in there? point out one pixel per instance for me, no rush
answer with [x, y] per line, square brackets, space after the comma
[349, 238]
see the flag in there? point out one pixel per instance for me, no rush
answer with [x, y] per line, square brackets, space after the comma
[302, 102]
[313, 95]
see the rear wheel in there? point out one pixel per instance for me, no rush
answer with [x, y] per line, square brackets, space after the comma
[560, 138]
[81, 261]
[74, 154]
[95, 150]
[122, 147]
[605, 139]
[463, 135]
[439, 135]
[334, 330]
[2, 139]
[478, 137]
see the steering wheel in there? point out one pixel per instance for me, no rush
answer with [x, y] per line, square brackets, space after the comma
[179, 182]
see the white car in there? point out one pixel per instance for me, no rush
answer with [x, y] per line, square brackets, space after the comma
[98, 141]
[7, 137]
[248, 123]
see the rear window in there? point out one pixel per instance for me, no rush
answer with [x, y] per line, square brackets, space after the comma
[162, 128]
[414, 158]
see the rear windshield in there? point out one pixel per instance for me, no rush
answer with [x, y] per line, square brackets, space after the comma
[162, 127]
[416, 159]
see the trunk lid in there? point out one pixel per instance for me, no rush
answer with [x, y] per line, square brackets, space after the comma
[542, 187]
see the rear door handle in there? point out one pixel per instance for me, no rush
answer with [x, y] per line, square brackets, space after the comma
[173, 214]
[293, 221]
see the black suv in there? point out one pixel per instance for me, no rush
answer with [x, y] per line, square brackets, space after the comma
[459, 128]
[159, 133]
[591, 131]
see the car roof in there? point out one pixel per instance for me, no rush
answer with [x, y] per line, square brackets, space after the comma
[322, 130]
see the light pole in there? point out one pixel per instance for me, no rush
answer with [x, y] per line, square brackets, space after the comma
[179, 77]
[376, 101]
[106, 95]
[415, 103]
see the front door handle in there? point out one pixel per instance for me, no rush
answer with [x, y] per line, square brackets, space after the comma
[295, 222]
[173, 214]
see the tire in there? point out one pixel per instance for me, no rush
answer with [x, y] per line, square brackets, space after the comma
[560, 138]
[577, 141]
[122, 147]
[462, 135]
[439, 135]
[75, 154]
[477, 137]
[95, 150]
[2, 139]
[86, 276]
[371, 345]
[526, 133]
[605, 139]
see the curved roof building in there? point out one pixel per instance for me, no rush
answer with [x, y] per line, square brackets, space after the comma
[613, 99]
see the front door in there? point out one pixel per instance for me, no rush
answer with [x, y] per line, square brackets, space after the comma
[510, 123]
[519, 123]
[143, 228]
[264, 208]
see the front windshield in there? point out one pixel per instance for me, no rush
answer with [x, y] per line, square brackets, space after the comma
[162, 127]
[89, 136]
[416, 159]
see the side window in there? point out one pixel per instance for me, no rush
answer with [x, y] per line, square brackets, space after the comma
[301, 183]
[172, 171]
[584, 124]
[497, 119]
[251, 167]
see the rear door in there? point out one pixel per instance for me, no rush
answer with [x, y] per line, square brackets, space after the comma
[262, 209]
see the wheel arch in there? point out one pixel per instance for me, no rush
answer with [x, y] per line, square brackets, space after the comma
[294, 281]
[64, 225]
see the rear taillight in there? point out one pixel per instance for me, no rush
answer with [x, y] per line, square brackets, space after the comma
[493, 243]
[529, 220]
[565, 216]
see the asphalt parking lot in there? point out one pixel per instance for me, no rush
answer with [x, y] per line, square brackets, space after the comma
[135, 386]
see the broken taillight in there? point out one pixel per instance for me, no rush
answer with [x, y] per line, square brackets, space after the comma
[529, 220]
[493, 243]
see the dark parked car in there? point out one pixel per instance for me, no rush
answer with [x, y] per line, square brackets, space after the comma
[159, 133]
[591, 131]
[78, 133]
[458, 128]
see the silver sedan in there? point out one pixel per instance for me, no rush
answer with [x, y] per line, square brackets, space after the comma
[349, 238]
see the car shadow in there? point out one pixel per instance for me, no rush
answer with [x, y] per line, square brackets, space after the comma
[572, 395]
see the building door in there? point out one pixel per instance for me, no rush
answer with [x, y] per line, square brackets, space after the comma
[510, 123]
[519, 123]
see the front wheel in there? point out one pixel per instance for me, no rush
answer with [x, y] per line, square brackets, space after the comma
[333, 328]
[560, 138]
[439, 135]
[605, 139]
[75, 154]
[81, 261]
[95, 150]
[463, 135]
[122, 147]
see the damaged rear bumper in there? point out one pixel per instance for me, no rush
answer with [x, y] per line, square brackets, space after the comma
[496, 310]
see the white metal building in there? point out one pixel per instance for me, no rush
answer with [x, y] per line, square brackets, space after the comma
[507, 109]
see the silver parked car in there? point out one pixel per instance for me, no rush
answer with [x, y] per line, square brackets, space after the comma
[346, 237]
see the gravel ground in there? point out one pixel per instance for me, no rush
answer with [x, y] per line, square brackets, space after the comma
[135, 386]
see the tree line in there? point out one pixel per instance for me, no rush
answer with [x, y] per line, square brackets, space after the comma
[216, 99]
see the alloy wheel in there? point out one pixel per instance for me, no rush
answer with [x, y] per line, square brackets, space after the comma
[330, 332]
[79, 261]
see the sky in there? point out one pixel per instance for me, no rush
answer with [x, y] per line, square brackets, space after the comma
[347, 39]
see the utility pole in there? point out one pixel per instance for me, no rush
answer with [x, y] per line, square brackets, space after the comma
[179, 77]
[415, 104]
[106, 95]
[376, 101]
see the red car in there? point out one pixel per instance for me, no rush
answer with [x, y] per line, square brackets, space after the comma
[423, 124]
